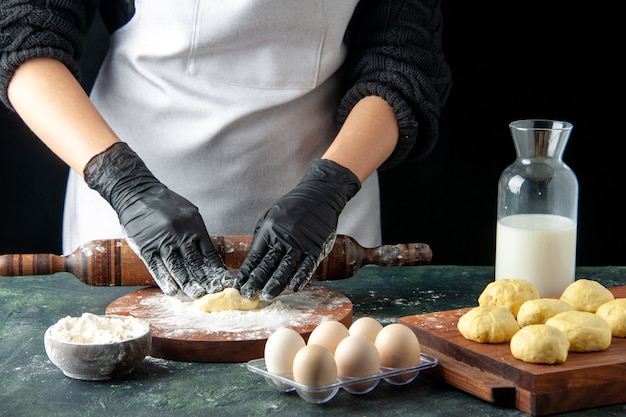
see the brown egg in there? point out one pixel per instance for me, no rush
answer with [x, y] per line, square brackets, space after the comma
[367, 326]
[356, 356]
[314, 366]
[398, 347]
[328, 334]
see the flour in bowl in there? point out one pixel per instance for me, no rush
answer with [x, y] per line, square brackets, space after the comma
[93, 329]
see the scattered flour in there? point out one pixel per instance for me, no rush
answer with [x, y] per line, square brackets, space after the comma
[92, 329]
[176, 316]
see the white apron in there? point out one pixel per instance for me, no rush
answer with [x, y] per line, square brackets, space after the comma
[226, 102]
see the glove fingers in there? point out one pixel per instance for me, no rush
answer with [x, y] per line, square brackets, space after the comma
[177, 268]
[209, 255]
[215, 280]
[207, 270]
[247, 266]
[162, 276]
[262, 273]
[217, 268]
[303, 274]
[257, 250]
[278, 282]
[156, 267]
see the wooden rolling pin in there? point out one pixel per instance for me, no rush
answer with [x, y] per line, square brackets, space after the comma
[113, 263]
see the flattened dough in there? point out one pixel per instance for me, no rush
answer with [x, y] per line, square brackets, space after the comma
[538, 311]
[586, 295]
[488, 324]
[227, 299]
[510, 293]
[539, 343]
[586, 332]
[614, 312]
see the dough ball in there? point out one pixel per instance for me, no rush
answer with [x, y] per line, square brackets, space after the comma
[227, 299]
[539, 310]
[539, 343]
[488, 324]
[586, 295]
[586, 332]
[510, 293]
[614, 312]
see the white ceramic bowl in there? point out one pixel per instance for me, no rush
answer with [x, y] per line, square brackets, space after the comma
[98, 361]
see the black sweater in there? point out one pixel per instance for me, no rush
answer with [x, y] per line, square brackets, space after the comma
[394, 51]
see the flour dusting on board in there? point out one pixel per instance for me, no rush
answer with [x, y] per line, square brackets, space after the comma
[176, 316]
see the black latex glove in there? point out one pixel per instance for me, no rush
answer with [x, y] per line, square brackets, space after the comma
[297, 232]
[165, 230]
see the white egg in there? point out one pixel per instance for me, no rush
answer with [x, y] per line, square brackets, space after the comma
[328, 334]
[398, 347]
[314, 366]
[366, 326]
[280, 350]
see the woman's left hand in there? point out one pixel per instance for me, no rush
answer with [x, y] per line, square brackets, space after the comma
[297, 232]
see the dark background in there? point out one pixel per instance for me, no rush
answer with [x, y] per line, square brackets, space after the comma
[510, 60]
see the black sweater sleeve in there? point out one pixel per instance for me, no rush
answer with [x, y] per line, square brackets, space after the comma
[41, 28]
[395, 52]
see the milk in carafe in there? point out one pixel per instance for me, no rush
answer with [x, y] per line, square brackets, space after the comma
[538, 209]
[540, 248]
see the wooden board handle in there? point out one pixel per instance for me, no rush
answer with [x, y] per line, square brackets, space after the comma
[113, 263]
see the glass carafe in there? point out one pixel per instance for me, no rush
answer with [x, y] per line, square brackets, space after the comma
[537, 209]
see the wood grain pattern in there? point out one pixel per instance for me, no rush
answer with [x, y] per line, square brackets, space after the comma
[176, 337]
[490, 372]
[113, 263]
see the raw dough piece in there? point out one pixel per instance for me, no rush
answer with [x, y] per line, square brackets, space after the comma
[586, 332]
[227, 299]
[488, 324]
[614, 312]
[510, 293]
[539, 343]
[586, 295]
[539, 310]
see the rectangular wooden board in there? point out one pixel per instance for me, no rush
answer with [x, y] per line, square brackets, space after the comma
[490, 372]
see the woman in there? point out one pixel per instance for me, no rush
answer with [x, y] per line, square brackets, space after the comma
[276, 110]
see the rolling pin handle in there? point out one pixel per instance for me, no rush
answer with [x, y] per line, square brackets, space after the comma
[402, 254]
[113, 263]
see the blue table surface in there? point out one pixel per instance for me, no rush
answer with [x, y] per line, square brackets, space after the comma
[30, 385]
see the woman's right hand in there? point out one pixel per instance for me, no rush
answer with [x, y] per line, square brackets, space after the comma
[164, 229]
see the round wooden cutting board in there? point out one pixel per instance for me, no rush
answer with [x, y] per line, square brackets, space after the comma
[182, 332]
